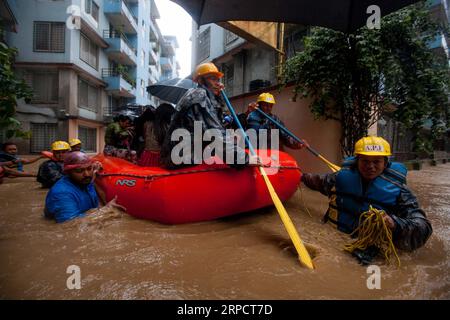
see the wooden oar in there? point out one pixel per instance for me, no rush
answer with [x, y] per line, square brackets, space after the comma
[331, 165]
[290, 228]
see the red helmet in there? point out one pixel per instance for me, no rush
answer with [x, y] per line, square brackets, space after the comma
[75, 160]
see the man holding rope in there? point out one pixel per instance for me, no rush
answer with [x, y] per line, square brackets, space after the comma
[369, 182]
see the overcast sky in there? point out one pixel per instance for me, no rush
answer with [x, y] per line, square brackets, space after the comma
[175, 21]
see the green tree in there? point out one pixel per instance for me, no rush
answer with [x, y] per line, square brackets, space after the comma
[357, 78]
[11, 89]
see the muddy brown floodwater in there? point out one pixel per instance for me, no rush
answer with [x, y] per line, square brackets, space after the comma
[248, 256]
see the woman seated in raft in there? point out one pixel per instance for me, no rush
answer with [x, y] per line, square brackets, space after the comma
[155, 129]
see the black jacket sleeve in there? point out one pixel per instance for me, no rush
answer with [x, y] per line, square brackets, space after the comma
[320, 182]
[412, 228]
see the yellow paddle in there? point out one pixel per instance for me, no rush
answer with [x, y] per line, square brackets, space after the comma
[293, 234]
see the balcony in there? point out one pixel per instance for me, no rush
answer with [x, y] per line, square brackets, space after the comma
[154, 13]
[120, 16]
[153, 31]
[120, 49]
[120, 84]
[153, 59]
[152, 79]
[167, 49]
[153, 74]
[166, 64]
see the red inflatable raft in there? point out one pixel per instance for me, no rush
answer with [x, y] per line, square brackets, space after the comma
[193, 194]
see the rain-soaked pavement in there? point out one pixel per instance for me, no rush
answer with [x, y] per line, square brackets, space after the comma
[243, 257]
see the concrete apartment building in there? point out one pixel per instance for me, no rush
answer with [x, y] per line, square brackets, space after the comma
[246, 66]
[83, 59]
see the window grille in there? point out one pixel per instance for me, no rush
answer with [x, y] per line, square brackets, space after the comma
[44, 84]
[88, 137]
[87, 96]
[49, 36]
[42, 136]
[204, 44]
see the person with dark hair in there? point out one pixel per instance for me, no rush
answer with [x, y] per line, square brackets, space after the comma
[119, 137]
[139, 130]
[15, 168]
[155, 129]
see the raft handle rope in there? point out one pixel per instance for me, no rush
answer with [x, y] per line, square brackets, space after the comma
[161, 175]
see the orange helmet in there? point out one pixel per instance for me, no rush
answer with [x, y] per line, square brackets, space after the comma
[206, 68]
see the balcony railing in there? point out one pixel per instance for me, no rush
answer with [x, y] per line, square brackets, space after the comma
[108, 34]
[131, 12]
[121, 7]
[114, 72]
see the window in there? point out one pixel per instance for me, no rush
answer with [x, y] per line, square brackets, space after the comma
[92, 8]
[88, 136]
[42, 136]
[109, 107]
[293, 41]
[228, 70]
[88, 51]
[87, 96]
[44, 84]
[230, 37]
[203, 44]
[49, 36]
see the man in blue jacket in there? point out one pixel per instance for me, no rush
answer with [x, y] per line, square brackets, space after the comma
[74, 193]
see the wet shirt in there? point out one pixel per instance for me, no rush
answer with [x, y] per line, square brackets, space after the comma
[66, 200]
[257, 122]
[49, 173]
[200, 105]
[412, 228]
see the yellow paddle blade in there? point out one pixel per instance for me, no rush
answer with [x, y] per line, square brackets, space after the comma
[332, 166]
[298, 243]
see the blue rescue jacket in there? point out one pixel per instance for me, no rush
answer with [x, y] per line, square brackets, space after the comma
[349, 200]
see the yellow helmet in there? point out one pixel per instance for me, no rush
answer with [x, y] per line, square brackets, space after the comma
[60, 145]
[372, 146]
[74, 142]
[206, 68]
[266, 97]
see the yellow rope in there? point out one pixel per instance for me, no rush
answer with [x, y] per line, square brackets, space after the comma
[373, 231]
[303, 200]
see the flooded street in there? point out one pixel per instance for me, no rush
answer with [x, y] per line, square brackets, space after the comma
[248, 256]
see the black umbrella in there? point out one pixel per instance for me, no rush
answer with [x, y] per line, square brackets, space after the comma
[342, 15]
[171, 90]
